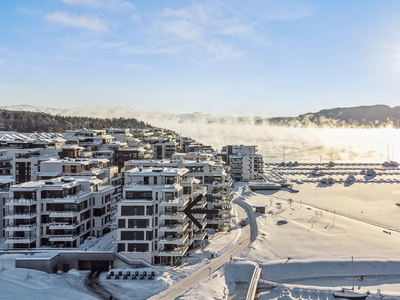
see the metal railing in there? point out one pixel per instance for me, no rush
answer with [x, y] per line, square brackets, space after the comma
[12, 238]
[12, 213]
[253, 284]
[22, 227]
[6, 157]
[20, 201]
[63, 213]
[63, 237]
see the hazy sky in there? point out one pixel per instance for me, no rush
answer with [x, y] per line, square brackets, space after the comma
[260, 57]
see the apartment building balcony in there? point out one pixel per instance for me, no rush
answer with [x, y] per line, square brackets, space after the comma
[226, 184]
[179, 227]
[144, 186]
[20, 240]
[225, 212]
[199, 191]
[201, 204]
[173, 216]
[5, 167]
[20, 214]
[203, 223]
[86, 143]
[176, 240]
[219, 220]
[222, 193]
[177, 251]
[235, 163]
[224, 207]
[6, 157]
[199, 236]
[62, 225]
[20, 227]
[68, 214]
[69, 198]
[63, 237]
[178, 201]
[25, 202]
[222, 201]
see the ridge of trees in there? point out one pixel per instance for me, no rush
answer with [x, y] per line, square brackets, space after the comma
[27, 121]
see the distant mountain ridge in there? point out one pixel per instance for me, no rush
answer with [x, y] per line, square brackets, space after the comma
[374, 116]
[361, 116]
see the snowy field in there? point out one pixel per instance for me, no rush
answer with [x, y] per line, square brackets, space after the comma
[309, 255]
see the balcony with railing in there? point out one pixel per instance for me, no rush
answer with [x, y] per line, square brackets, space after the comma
[198, 236]
[172, 216]
[20, 214]
[20, 227]
[176, 240]
[12, 201]
[62, 225]
[222, 201]
[201, 204]
[173, 251]
[177, 227]
[225, 212]
[21, 240]
[199, 191]
[226, 184]
[63, 237]
[69, 214]
[226, 192]
[6, 157]
[177, 201]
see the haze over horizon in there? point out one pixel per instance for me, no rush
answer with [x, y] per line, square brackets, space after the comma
[275, 143]
[269, 58]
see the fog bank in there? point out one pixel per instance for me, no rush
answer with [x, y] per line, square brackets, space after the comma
[276, 143]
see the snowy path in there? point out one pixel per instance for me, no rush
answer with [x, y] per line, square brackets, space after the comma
[183, 285]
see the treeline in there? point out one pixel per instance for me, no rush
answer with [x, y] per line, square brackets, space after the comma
[26, 121]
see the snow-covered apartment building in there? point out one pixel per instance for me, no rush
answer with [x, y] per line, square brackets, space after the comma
[5, 183]
[211, 173]
[57, 212]
[245, 162]
[151, 222]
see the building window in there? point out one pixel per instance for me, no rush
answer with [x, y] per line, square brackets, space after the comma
[132, 210]
[138, 247]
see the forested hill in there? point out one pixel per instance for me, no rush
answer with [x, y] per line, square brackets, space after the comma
[362, 116]
[26, 121]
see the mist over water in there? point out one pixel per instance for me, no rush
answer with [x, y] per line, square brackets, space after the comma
[276, 144]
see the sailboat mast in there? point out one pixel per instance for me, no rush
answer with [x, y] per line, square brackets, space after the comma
[352, 271]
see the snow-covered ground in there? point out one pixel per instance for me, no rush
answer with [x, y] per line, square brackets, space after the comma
[309, 254]
[21, 284]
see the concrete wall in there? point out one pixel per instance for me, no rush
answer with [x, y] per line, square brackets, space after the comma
[45, 264]
[147, 256]
[67, 260]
